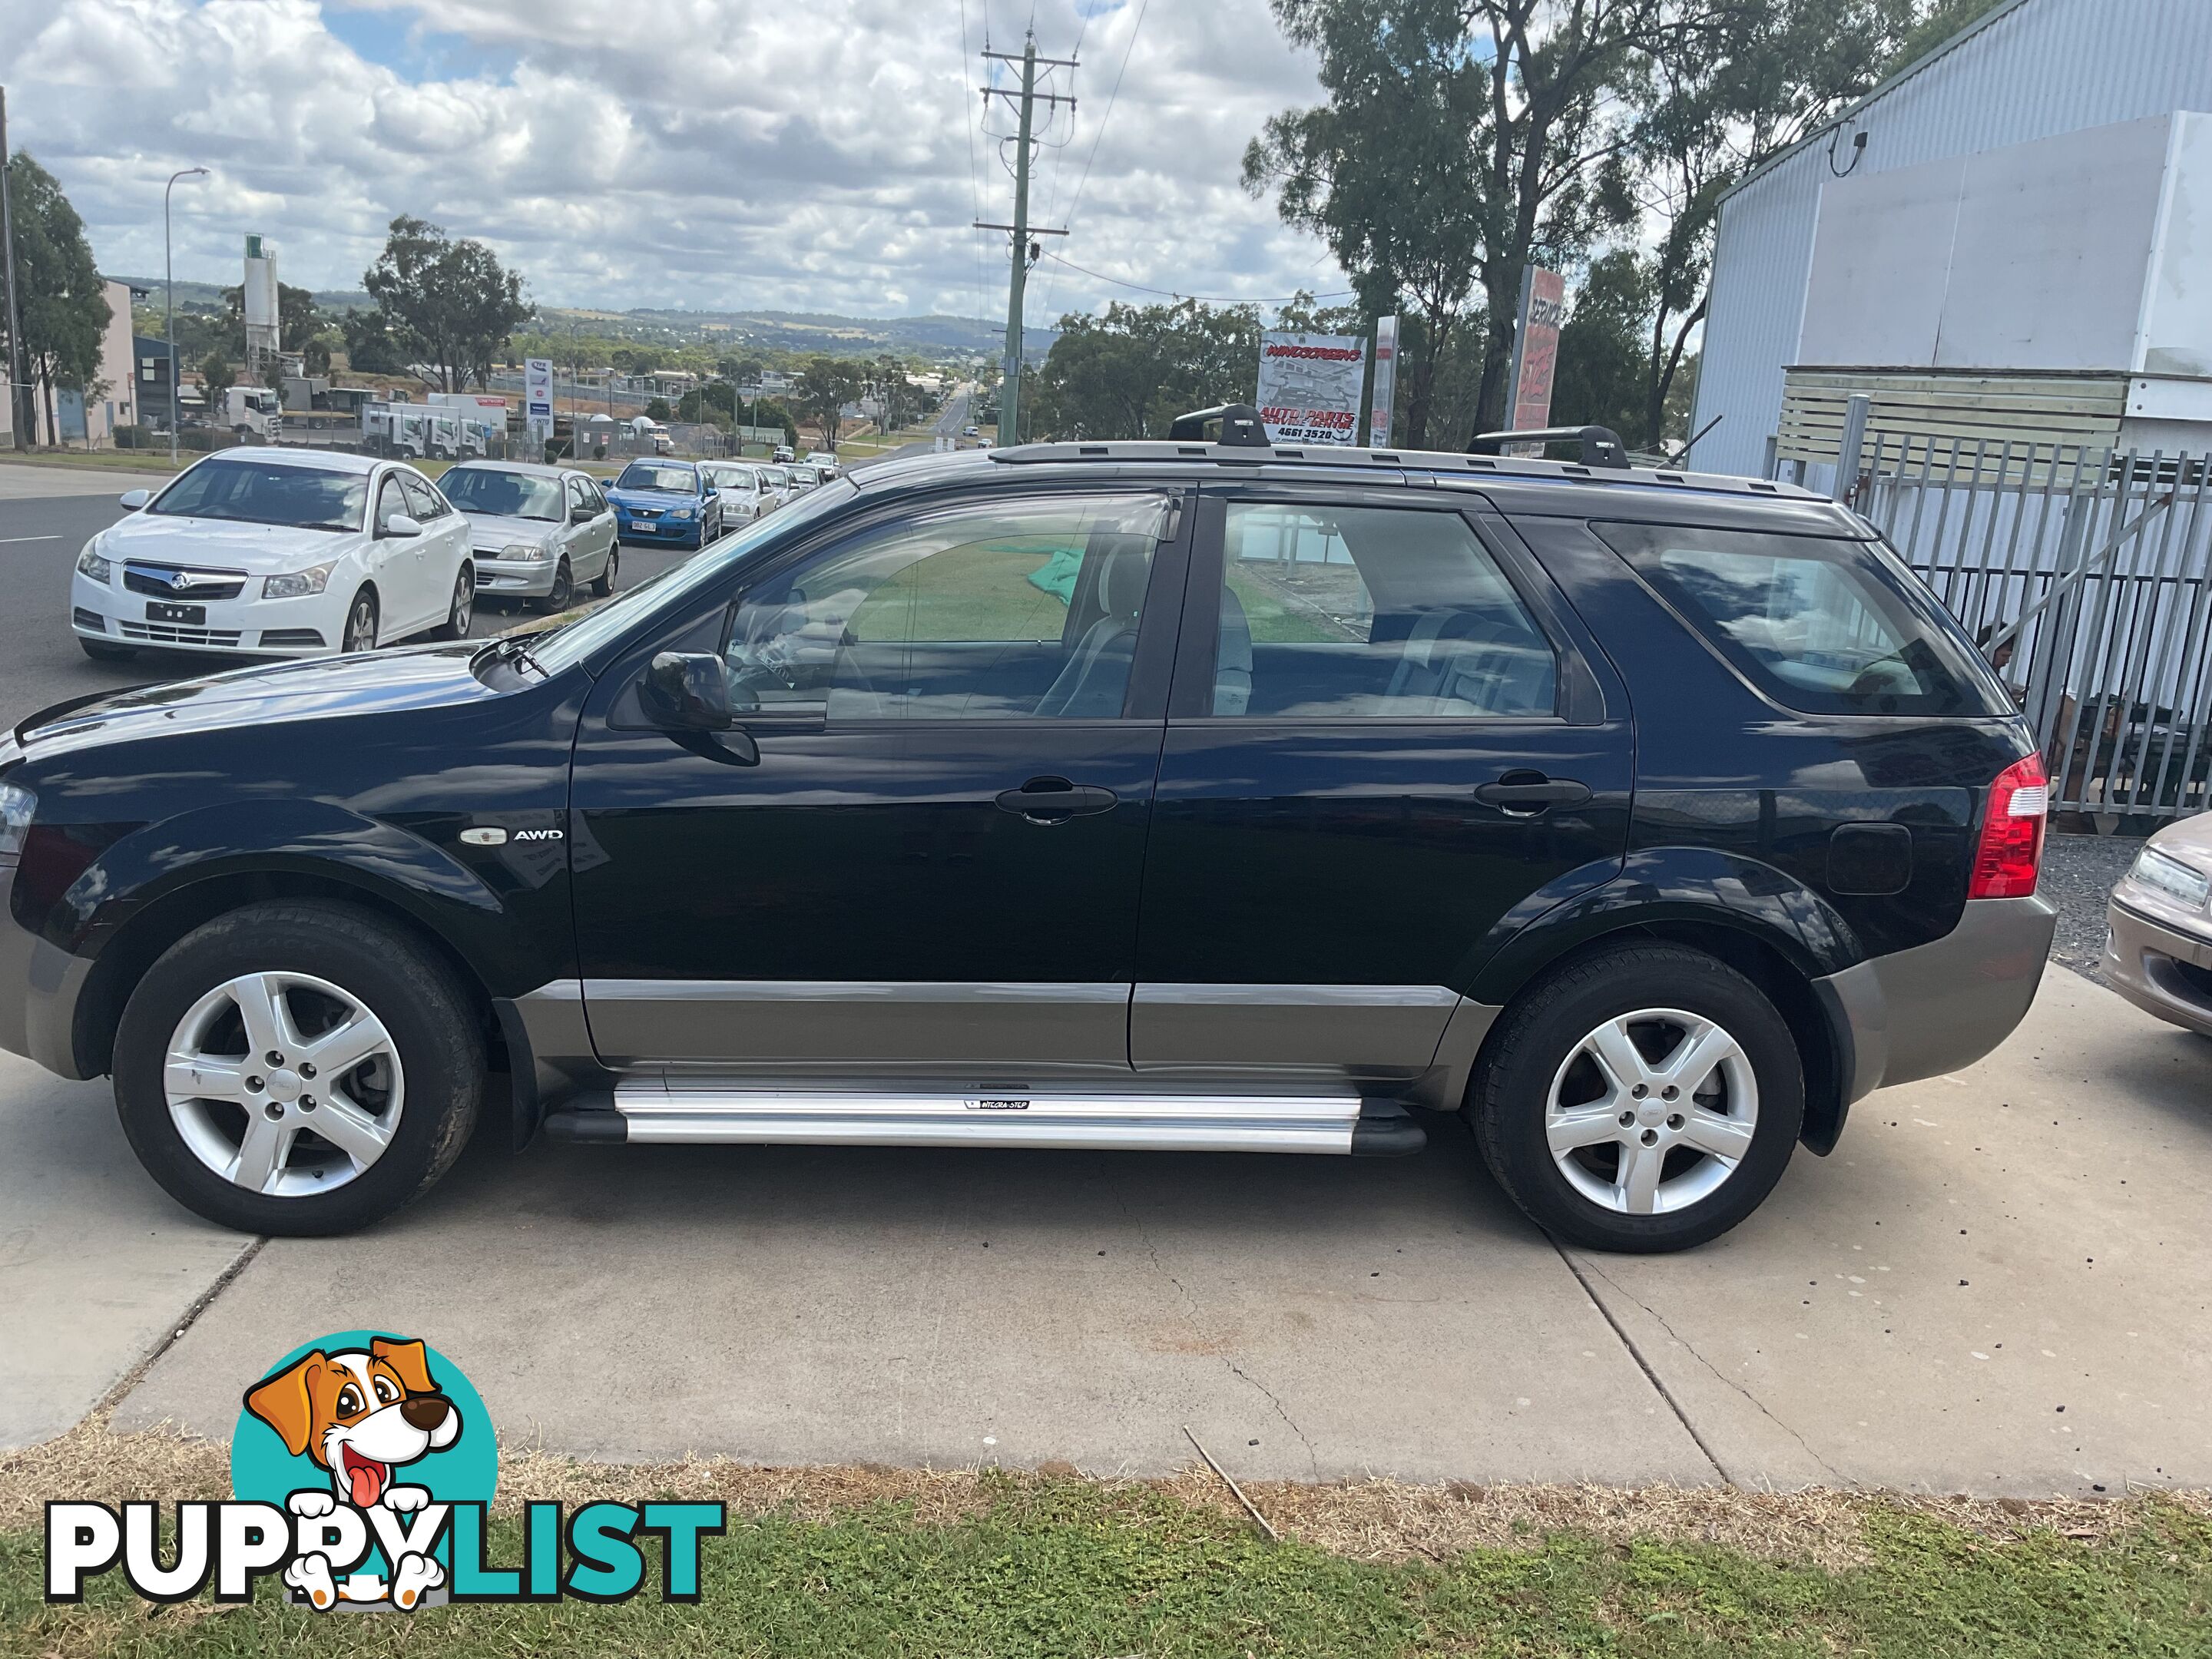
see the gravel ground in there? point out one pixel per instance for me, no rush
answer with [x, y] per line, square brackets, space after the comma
[2078, 873]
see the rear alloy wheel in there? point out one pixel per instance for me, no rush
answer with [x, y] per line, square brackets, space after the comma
[563, 591]
[360, 623]
[603, 585]
[297, 1068]
[1646, 1098]
[463, 609]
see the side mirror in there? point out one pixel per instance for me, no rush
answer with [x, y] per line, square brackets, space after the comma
[687, 691]
[581, 514]
[135, 499]
[401, 524]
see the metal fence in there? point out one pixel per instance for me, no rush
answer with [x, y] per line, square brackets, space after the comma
[2085, 575]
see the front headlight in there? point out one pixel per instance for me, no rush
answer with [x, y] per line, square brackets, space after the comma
[680, 512]
[297, 583]
[90, 563]
[2171, 876]
[523, 550]
[16, 805]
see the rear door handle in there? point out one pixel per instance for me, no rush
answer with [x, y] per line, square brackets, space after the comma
[1055, 800]
[1525, 794]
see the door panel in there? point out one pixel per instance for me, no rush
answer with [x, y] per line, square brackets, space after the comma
[930, 872]
[1322, 877]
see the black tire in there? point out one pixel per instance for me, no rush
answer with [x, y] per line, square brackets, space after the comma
[1540, 1032]
[99, 653]
[360, 623]
[462, 609]
[603, 585]
[564, 593]
[416, 996]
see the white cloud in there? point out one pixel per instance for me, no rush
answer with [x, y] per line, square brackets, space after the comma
[703, 153]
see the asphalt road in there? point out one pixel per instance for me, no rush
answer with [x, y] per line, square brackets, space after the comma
[40, 663]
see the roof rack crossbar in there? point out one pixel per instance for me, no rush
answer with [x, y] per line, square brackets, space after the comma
[1239, 427]
[1601, 444]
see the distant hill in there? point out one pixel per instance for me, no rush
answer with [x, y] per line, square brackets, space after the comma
[211, 294]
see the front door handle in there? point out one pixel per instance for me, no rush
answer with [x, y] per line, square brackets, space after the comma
[1055, 800]
[1525, 794]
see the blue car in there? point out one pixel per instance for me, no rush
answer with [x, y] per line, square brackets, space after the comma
[665, 503]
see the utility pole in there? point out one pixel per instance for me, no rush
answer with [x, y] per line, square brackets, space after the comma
[13, 367]
[1025, 249]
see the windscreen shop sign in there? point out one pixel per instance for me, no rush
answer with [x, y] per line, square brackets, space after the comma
[1309, 387]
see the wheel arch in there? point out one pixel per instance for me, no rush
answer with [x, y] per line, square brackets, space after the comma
[1777, 934]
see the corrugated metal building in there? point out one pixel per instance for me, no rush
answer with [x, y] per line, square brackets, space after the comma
[2028, 70]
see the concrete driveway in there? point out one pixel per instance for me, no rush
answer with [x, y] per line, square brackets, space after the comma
[1999, 1284]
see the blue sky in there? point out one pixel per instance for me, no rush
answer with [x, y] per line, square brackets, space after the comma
[700, 152]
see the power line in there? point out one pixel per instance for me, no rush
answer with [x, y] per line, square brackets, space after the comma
[1136, 28]
[975, 180]
[1203, 299]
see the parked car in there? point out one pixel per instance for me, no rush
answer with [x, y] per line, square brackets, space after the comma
[744, 497]
[1156, 795]
[536, 530]
[275, 552]
[2158, 945]
[782, 452]
[778, 481]
[971, 431]
[659, 502]
[823, 461]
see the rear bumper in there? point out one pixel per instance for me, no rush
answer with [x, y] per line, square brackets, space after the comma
[2145, 962]
[40, 984]
[1940, 1006]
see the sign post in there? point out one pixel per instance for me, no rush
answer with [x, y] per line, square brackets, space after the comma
[538, 401]
[1308, 390]
[1386, 382]
[1536, 351]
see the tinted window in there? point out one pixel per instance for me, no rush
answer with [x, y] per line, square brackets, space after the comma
[1374, 613]
[263, 492]
[1006, 609]
[422, 501]
[1824, 625]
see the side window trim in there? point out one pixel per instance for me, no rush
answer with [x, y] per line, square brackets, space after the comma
[1579, 699]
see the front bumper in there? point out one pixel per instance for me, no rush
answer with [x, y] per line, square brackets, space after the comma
[309, 626]
[1940, 1006]
[530, 579]
[659, 532]
[40, 984]
[2159, 969]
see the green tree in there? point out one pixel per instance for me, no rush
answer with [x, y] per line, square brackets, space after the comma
[716, 401]
[315, 353]
[1601, 376]
[826, 385]
[657, 408]
[216, 377]
[450, 304]
[1387, 172]
[1130, 373]
[59, 293]
[369, 346]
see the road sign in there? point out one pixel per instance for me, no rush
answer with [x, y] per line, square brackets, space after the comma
[1309, 390]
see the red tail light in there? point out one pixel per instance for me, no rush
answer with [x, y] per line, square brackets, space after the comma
[2011, 847]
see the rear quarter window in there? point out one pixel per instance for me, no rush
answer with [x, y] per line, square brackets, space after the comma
[1825, 625]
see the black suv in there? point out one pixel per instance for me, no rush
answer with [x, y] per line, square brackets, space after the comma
[1197, 796]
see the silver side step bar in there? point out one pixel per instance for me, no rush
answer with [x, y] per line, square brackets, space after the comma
[683, 1111]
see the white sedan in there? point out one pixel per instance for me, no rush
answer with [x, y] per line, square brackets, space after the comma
[540, 531]
[745, 495]
[276, 553]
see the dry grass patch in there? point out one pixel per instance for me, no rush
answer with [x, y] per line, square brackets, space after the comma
[1369, 1521]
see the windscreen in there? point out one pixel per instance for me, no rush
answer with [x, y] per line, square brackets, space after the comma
[266, 492]
[1821, 624]
[677, 480]
[503, 495]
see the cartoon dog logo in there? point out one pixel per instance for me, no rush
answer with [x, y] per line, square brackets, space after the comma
[359, 1414]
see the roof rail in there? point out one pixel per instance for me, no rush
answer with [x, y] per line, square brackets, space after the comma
[1602, 445]
[1240, 426]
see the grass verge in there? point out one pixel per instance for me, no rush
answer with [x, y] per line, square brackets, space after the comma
[981, 1562]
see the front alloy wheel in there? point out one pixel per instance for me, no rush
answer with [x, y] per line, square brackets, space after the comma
[360, 623]
[283, 1083]
[562, 593]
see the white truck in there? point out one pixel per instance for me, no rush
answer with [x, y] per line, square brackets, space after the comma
[251, 411]
[424, 431]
